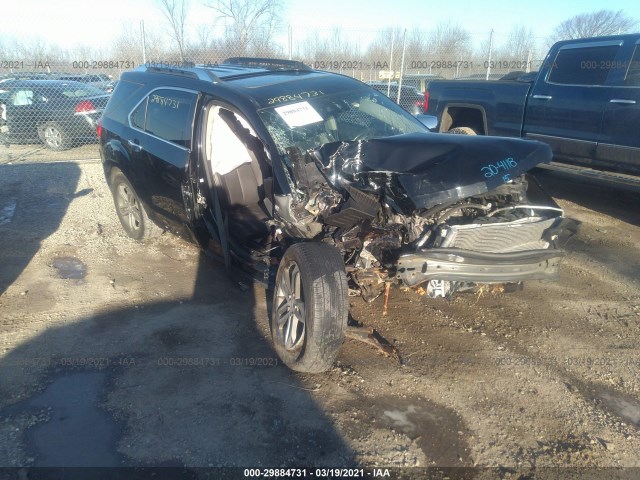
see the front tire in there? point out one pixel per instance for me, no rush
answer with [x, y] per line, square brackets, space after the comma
[130, 210]
[310, 307]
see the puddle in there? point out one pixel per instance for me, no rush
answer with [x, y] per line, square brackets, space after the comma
[7, 211]
[69, 267]
[78, 433]
[439, 431]
[626, 408]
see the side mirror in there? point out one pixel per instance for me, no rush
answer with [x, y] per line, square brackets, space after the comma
[428, 121]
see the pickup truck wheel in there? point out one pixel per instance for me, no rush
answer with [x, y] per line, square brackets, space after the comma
[54, 136]
[130, 210]
[463, 131]
[310, 307]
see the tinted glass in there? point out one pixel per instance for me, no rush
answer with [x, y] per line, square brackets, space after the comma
[123, 99]
[583, 66]
[632, 78]
[170, 115]
[139, 115]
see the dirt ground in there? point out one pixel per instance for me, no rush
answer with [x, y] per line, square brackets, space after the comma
[117, 353]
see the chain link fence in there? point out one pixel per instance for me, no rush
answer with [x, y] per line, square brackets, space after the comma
[53, 118]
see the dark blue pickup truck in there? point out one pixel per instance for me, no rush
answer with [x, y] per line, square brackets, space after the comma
[584, 102]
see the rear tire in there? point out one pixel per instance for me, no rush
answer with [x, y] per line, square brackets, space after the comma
[310, 307]
[130, 210]
[462, 131]
[54, 136]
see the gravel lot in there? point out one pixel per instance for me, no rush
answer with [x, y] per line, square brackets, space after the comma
[169, 361]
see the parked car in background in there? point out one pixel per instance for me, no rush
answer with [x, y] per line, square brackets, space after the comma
[110, 87]
[584, 102]
[318, 185]
[55, 112]
[410, 98]
[481, 76]
[99, 80]
[420, 81]
[20, 75]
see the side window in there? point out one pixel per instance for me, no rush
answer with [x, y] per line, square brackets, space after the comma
[167, 114]
[170, 115]
[583, 66]
[632, 78]
[22, 97]
[139, 115]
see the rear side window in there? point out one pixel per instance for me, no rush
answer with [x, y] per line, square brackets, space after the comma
[167, 114]
[632, 78]
[124, 97]
[22, 97]
[584, 66]
[139, 115]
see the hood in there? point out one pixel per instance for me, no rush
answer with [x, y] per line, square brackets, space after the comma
[417, 170]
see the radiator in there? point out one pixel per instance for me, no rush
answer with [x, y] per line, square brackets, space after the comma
[517, 236]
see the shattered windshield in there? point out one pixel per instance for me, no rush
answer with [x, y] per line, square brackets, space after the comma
[358, 115]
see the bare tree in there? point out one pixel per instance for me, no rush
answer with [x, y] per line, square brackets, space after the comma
[449, 41]
[327, 50]
[417, 47]
[128, 45]
[595, 24]
[176, 11]
[249, 24]
[380, 51]
[519, 44]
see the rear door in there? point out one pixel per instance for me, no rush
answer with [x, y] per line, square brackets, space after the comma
[160, 147]
[566, 105]
[619, 145]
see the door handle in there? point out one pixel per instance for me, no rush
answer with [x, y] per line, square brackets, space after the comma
[622, 101]
[543, 97]
[135, 146]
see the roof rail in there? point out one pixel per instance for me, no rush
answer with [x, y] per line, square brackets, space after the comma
[268, 63]
[190, 72]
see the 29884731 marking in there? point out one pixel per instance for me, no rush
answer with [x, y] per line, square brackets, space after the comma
[275, 472]
[103, 64]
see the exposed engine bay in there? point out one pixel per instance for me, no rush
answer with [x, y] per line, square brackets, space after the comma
[441, 210]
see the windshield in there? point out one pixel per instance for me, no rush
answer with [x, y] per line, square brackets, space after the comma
[358, 115]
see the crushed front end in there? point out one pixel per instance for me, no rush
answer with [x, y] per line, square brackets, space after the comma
[447, 212]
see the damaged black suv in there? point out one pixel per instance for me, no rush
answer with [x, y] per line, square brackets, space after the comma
[322, 187]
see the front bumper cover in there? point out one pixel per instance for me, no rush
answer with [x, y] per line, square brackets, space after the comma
[459, 265]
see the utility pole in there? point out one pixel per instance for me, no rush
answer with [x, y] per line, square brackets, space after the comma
[144, 42]
[404, 48]
[490, 49]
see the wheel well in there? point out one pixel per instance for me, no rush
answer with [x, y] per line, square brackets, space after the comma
[464, 117]
[110, 169]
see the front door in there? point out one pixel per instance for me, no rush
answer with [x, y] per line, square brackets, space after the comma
[566, 105]
[619, 144]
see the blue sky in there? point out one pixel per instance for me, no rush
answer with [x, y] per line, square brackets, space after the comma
[476, 16]
[69, 22]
